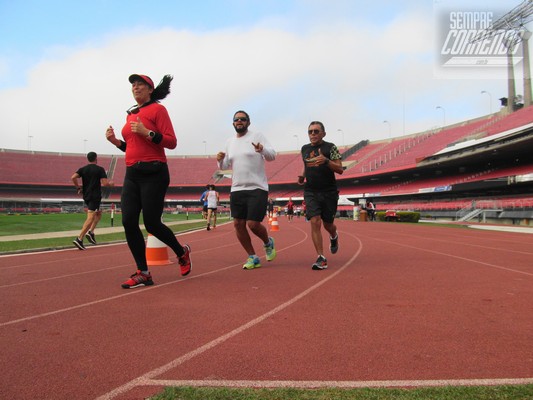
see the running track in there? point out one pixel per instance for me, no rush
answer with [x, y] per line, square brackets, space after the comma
[400, 305]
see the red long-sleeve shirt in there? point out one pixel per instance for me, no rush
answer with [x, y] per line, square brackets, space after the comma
[138, 148]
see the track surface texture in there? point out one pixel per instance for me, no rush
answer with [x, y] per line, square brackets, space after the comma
[400, 305]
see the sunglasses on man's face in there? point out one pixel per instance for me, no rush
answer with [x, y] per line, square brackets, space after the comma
[241, 119]
[313, 131]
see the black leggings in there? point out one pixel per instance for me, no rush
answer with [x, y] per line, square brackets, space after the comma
[144, 189]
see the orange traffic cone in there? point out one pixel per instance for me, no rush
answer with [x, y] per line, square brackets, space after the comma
[270, 220]
[156, 251]
[274, 226]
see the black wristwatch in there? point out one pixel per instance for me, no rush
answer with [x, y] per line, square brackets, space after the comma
[151, 134]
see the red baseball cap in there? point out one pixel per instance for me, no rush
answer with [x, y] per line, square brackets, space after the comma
[144, 78]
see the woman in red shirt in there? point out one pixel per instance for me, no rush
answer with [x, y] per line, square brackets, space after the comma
[147, 132]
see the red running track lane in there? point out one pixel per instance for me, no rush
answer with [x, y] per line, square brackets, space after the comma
[400, 305]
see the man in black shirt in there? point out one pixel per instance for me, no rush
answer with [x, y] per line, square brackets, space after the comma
[321, 161]
[93, 177]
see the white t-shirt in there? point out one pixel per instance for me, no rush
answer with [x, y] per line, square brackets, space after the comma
[212, 199]
[248, 166]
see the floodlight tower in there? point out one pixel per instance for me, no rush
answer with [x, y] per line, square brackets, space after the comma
[527, 71]
[513, 22]
[510, 43]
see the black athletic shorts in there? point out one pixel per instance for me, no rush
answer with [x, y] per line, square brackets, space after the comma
[250, 205]
[93, 205]
[321, 203]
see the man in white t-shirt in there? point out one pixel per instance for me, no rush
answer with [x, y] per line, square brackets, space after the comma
[212, 206]
[245, 154]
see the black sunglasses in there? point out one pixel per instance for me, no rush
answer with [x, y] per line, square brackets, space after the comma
[313, 131]
[133, 109]
[136, 108]
[243, 119]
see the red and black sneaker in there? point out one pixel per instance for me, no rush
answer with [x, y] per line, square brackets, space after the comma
[321, 263]
[185, 261]
[138, 279]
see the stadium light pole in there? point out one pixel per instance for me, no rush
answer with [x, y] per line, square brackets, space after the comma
[85, 145]
[388, 123]
[490, 100]
[526, 35]
[513, 22]
[205, 147]
[341, 131]
[297, 145]
[443, 115]
[29, 142]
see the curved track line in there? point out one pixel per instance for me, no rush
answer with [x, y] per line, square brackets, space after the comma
[146, 378]
[92, 271]
[144, 290]
[454, 256]
[85, 255]
[63, 276]
[468, 244]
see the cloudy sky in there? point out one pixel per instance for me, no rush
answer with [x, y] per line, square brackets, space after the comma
[352, 64]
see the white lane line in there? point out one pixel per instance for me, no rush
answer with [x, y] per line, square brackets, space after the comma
[340, 384]
[88, 272]
[454, 256]
[63, 276]
[131, 292]
[147, 377]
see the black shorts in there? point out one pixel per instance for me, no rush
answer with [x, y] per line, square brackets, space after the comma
[323, 204]
[93, 205]
[250, 205]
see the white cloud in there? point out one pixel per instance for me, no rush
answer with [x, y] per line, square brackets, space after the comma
[350, 77]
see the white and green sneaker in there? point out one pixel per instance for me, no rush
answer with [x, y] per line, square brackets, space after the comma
[270, 250]
[252, 262]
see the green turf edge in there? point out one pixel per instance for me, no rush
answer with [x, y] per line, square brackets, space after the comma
[503, 392]
[34, 245]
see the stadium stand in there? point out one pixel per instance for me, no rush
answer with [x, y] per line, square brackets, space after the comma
[488, 158]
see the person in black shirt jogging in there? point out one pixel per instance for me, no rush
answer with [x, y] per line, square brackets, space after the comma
[93, 177]
[322, 161]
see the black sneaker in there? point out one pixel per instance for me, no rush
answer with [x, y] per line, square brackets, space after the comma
[321, 263]
[334, 244]
[90, 237]
[79, 244]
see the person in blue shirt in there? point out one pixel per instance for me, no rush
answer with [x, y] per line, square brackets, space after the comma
[203, 199]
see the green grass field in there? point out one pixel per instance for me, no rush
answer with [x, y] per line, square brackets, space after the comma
[438, 393]
[29, 224]
[42, 223]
